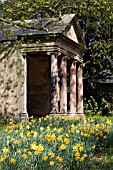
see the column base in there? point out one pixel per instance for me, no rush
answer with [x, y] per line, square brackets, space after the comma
[24, 116]
[73, 115]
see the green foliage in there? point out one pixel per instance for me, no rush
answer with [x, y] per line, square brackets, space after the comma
[91, 107]
[106, 107]
[2, 124]
[94, 108]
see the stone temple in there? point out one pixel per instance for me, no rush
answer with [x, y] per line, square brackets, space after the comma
[41, 67]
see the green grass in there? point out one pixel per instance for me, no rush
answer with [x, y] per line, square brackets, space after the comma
[104, 160]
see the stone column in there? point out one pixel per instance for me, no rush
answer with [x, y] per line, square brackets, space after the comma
[80, 89]
[73, 88]
[54, 83]
[24, 114]
[63, 92]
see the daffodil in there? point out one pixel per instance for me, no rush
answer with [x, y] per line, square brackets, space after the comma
[24, 139]
[82, 159]
[29, 153]
[48, 129]
[109, 122]
[40, 136]
[27, 127]
[59, 130]
[24, 156]
[16, 131]
[19, 151]
[51, 163]
[2, 159]
[45, 158]
[16, 142]
[63, 147]
[59, 138]
[39, 150]
[35, 134]
[85, 155]
[6, 150]
[59, 159]
[66, 141]
[12, 160]
[77, 158]
[33, 146]
[24, 150]
[81, 148]
[28, 134]
[77, 154]
[104, 137]
[10, 131]
[52, 137]
[41, 128]
[52, 155]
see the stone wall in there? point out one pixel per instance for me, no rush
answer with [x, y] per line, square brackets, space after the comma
[11, 82]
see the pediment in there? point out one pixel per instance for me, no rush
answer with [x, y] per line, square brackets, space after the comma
[73, 32]
[70, 33]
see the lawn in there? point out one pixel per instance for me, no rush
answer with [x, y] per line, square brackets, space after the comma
[58, 144]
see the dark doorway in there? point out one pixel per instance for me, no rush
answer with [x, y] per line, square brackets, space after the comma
[38, 85]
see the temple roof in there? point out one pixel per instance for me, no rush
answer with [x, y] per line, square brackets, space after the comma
[42, 27]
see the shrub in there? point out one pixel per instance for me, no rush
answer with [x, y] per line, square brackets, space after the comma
[91, 107]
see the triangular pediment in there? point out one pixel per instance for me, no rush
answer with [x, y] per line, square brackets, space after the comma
[73, 30]
[70, 33]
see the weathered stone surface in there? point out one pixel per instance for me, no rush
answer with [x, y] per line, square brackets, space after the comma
[10, 86]
[73, 86]
[80, 89]
[63, 91]
[54, 83]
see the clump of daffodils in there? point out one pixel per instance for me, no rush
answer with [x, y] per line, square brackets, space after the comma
[51, 143]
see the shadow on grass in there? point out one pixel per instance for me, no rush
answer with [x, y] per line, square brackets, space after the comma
[105, 162]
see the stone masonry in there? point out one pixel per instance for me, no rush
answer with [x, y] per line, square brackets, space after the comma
[11, 81]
